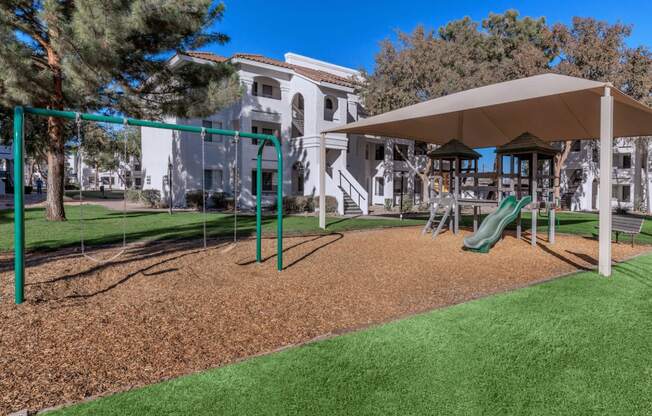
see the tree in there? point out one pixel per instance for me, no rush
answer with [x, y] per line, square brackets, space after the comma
[108, 56]
[464, 54]
[423, 65]
[597, 50]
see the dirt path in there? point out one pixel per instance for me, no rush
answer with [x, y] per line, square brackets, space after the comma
[165, 310]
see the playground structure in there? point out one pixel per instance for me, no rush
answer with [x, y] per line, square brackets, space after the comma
[530, 173]
[19, 160]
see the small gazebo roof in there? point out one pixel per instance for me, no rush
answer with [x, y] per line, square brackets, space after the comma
[453, 149]
[527, 143]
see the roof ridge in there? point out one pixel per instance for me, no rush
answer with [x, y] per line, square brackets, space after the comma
[314, 74]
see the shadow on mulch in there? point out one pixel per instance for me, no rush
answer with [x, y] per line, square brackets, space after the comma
[338, 236]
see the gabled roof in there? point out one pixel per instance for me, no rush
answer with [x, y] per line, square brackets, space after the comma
[551, 106]
[452, 149]
[527, 143]
[313, 74]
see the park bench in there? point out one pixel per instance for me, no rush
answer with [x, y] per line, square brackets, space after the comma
[630, 225]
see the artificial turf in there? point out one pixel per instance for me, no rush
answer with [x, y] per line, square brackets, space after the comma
[578, 345]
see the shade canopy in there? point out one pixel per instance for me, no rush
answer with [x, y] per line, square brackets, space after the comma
[550, 106]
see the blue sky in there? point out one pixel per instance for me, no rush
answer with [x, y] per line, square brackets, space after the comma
[347, 32]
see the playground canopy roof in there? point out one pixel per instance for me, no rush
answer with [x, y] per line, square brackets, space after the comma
[552, 107]
[527, 143]
[453, 149]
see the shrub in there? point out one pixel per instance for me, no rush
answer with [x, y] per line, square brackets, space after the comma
[218, 200]
[133, 195]
[150, 197]
[194, 199]
[389, 204]
[331, 204]
[407, 204]
[298, 204]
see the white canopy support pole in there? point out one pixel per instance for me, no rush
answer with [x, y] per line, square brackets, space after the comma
[606, 140]
[535, 193]
[322, 181]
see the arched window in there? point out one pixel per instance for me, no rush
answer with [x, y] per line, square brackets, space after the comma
[330, 108]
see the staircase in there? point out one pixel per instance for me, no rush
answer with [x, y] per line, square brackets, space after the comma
[350, 207]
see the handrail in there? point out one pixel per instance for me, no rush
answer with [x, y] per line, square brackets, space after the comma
[351, 187]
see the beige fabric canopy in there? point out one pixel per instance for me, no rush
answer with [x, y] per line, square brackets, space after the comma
[550, 106]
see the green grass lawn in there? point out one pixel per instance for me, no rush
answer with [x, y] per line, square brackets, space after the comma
[104, 226]
[578, 345]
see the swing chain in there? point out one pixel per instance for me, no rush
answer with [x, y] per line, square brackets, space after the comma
[203, 180]
[236, 180]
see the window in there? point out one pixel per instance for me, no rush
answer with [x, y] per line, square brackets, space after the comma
[626, 193]
[148, 180]
[207, 124]
[330, 107]
[138, 182]
[576, 146]
[268, 91]
[366, 151]
[400, 152]
[380, 152]
[627, 161]
[380, 186]
[213, 179]
[420, 148]
[263, 130]
[254, 89]
[269, 181]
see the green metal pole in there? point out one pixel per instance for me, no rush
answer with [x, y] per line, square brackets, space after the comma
[259, 205]
[279, 204]
[19, 208]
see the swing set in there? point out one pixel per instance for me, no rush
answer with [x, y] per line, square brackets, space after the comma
[19, 202]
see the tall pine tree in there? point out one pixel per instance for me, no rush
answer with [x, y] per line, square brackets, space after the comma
[108, 56]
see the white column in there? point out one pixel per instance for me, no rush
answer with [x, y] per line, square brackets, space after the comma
[606, 140]
[535, 196]
[322, 181]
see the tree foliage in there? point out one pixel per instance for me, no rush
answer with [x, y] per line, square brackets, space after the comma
[463, 54]
[108, 56]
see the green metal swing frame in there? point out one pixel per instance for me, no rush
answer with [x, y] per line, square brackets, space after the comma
[19, 179]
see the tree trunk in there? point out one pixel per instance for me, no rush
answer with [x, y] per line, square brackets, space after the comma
[56, 168]
[56, 148]
[560, 161]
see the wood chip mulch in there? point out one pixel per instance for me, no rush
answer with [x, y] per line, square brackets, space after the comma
[162, 311]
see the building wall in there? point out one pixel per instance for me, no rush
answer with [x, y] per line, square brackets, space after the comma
[345, 156]
[630, 164]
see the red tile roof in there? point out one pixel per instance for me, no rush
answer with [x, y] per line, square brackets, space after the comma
[314, 74]
[207, 56]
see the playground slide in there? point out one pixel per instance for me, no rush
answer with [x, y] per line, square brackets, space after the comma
[492, 227]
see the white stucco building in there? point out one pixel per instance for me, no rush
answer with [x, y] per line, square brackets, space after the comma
[92, 179]
[631, 176]
[295, 100]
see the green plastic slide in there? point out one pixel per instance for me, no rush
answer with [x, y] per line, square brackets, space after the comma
[492, 227]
